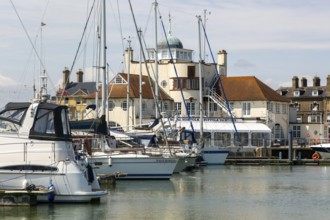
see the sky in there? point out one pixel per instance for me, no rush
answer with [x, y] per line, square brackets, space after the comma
[272, 40]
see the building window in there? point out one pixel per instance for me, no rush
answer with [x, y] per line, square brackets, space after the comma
[119, 80]
[314, 118]
[246, 109]
[270, 106]
[315, 93]
[213, 107]
[296, 93]
[163, 83]
[299, 118]
[78, 100]
[296, 131]
[78, 115]
[66, 100]
[278, 108]
[315, 106]
[144, 106]
[191, 108]
[165, 106]
[177, 107]
[124, 105]
[283, 108]
[111, 105]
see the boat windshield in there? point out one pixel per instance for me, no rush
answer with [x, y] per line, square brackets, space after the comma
[7, 126]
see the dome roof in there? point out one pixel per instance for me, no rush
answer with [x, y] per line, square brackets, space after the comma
[174, 42]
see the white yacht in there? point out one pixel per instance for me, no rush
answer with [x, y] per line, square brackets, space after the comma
[36, 151]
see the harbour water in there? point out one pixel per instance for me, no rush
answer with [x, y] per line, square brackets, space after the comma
[213, 192]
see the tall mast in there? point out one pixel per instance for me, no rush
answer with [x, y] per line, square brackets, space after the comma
[140, 80]
[103, 57]
[200, 83]
[128, 83]
[156, 60]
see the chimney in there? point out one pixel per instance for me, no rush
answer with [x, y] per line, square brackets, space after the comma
[66, 75]
[128, 57]
[316, 81]
[328, 86]
[222, 62]
[295, 83]
[303, 82]
[80, 76]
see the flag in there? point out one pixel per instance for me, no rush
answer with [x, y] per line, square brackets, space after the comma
[42, 24]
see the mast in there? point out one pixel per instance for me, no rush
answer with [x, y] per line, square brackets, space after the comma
[156, 60]
[140, 80]
[200, 83]
[128, 83]
[103, 58]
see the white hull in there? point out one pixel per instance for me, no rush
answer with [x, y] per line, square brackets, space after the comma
[214, 155]
[134, 167]
[33, 157]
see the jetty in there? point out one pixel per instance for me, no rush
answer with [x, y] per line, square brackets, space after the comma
[275, 156]
[18, 197]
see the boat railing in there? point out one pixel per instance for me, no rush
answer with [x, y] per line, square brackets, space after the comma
[39, 151]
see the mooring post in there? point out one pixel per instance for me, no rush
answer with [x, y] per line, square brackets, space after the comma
[290, 147]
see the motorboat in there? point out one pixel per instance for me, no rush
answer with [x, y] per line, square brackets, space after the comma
[37, 152]
[322, 151]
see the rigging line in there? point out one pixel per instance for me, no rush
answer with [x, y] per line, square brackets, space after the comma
[120, 27]
[220, 83]
[28, 36]
[119, 24]
[81, 39]
[149, 78]
[23, 74]
[176, 73]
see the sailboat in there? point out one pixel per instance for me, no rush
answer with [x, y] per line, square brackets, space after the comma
[106, 159]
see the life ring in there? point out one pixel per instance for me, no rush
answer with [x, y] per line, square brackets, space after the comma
[316, 156]
[87, 147]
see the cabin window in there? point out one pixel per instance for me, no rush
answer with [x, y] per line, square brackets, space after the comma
[65, 123]
[45, 123]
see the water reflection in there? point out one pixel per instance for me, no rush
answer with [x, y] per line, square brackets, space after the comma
[214, 192]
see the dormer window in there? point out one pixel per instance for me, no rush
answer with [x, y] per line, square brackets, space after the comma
[296, 93]
[315, 106]
[315, 93]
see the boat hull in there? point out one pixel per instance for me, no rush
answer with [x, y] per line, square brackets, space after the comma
[214, 155]
[146, 168]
